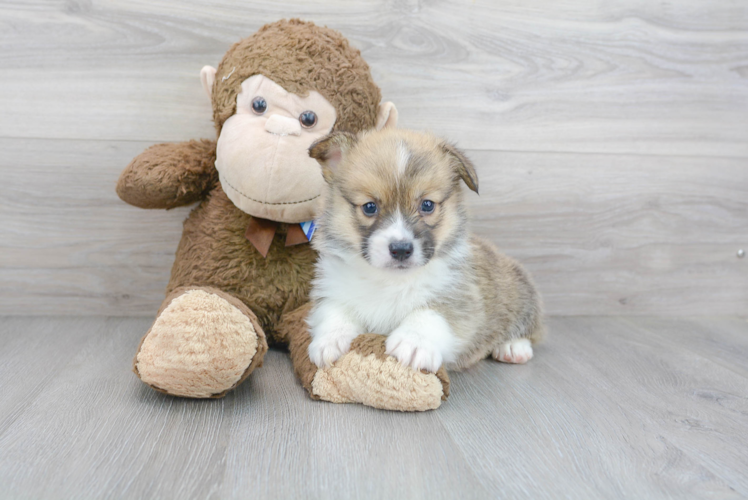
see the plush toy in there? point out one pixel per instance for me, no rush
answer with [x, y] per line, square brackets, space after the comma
[242, 272]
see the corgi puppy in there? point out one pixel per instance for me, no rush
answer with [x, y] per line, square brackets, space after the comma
[396, 258]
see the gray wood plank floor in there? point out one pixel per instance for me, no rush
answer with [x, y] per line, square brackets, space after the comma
[609, 408]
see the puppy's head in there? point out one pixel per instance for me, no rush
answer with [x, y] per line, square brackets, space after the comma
[393, 196]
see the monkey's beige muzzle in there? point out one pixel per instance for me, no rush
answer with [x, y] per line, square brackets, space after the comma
[262, 158]
[282, 125]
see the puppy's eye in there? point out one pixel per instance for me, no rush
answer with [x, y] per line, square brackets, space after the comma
[259, 105]
[369, 209]
[308, 119]
[427, 206]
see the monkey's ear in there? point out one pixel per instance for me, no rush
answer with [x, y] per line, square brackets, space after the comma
[386, 116]
[462, 165]
[207, 77]
[330, 151]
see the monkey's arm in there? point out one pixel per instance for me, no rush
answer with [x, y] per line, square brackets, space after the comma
[169, 175]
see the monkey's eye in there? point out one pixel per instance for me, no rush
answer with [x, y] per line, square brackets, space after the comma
[308, 119]
[427, 206]
[259, 105]
[370, 209]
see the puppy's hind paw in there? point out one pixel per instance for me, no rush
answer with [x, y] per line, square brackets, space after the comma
[517, 351]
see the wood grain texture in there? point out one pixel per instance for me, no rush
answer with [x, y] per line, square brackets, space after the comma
[609, 234]
[629, 77]
[613, 407]
[610, 138]
[643, 235]
[601, 415]
[69, 244]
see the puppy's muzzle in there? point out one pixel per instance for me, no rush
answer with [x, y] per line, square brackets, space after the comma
[401, 250]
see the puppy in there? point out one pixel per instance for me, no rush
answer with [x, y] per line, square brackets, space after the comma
[396, 258]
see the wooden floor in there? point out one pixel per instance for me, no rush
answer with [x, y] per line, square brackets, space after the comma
[609, 408]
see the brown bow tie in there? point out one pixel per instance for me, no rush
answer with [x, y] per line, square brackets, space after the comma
[260, 233]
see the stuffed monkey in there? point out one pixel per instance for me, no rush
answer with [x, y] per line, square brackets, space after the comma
[242, 272]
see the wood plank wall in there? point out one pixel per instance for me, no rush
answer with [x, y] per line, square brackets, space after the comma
[611, 138]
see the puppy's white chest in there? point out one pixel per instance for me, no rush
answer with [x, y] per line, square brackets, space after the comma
[384, 310]
[380, 301]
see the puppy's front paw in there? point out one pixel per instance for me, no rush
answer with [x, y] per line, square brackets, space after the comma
[517, 351]
[414, 352]
[325, 349]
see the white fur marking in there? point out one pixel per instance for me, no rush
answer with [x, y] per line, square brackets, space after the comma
[380, 299]
[517, 351]
[403, 155]
[423, 340]
[379, 245]
[332, 332]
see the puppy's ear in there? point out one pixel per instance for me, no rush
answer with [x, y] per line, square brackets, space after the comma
[330, 151]
[462, 166]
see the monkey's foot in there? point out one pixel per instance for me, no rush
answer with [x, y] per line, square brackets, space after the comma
[369, 376]
[203, 343]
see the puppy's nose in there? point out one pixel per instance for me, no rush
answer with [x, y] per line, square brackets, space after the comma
[401, 250]
[283, 125]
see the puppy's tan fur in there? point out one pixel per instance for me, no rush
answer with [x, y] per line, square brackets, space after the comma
[486, 298]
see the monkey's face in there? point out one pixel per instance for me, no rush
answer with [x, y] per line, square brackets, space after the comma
[262, 157]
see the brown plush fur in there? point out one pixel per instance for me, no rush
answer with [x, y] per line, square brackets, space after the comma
[300, 57]
[170, 175]
[213, 253]
[288, 329]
